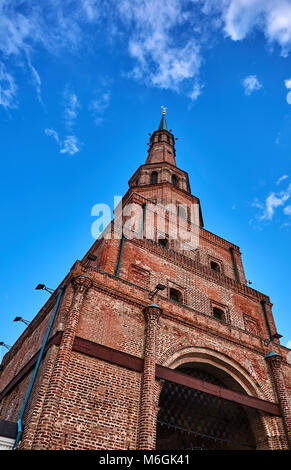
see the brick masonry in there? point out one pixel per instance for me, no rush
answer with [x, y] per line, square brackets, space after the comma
[82, 402]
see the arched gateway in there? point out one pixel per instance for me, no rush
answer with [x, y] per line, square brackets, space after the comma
[192, 419]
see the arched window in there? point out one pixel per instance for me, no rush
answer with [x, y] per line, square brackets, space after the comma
[168, 139]
[215, 266]
[175, 295]
[218, 313]
[174, 180]
[154, 177]
[163, 242]
[160, 137]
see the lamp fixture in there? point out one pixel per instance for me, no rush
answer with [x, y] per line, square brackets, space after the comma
[157, 288]
[44, 287]
[22, 320]
[5, 345]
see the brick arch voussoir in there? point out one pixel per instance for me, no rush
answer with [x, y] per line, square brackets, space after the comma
[180, 353]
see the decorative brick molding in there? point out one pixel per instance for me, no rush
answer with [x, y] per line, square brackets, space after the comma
[81, 283]
[251, 325]
[194, 266]
[148, 405]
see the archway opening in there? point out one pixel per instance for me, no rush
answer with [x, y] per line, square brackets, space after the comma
[191, 419]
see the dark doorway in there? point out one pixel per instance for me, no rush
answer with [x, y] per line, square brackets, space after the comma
[190, 419]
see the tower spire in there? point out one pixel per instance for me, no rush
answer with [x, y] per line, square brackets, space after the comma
[163, 123]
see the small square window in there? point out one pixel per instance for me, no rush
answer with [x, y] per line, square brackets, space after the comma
[218, 313]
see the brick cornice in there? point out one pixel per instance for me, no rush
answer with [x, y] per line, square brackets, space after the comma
[199, 269]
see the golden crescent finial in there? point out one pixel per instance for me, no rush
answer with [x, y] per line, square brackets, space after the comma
[164, 109]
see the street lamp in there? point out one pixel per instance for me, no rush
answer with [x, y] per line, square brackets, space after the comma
[44, 287]
[22, 319]
[274, 336]
[5, 345]
[157, 288]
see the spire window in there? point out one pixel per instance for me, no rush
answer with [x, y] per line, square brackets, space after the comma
[174, 180]
[154, 177]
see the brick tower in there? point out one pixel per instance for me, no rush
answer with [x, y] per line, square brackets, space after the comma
[154, 340]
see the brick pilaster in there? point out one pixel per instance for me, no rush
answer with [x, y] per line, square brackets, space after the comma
[274, 361]
[148, 408]
[42, 439]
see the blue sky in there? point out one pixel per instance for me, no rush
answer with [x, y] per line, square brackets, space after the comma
[82, 84]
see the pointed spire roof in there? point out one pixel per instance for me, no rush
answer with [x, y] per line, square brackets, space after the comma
[163, 123]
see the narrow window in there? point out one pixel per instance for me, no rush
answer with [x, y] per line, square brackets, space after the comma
[215, 266]
[168, 139]
[160, 137]
[218, 313]
[175, 295]
[174, 180]
[182, 212]
[154, 177]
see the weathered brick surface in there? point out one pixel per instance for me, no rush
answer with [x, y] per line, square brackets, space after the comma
[82, 402]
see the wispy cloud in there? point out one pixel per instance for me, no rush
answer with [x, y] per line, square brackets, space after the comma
[272, 202]
[8, 89]
[251, 84]
[99, 105]
[282, 178]
[165, 40]
[287, 210]
[160, 60]
[71, 107]
[69, 145]
[52, 133]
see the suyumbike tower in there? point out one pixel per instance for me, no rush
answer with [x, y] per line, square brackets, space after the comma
[149, 342]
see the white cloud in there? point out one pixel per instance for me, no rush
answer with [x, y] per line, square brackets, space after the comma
[282, 178]
[69, 145]
[272, 17]
[161, 60]
[251, 84]
[99, 105]
[36, 78]
[165, 40]
[52, 133]
[288, 83]
[273, 201]
[8, 88]
[72, 105]
[287, 210]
